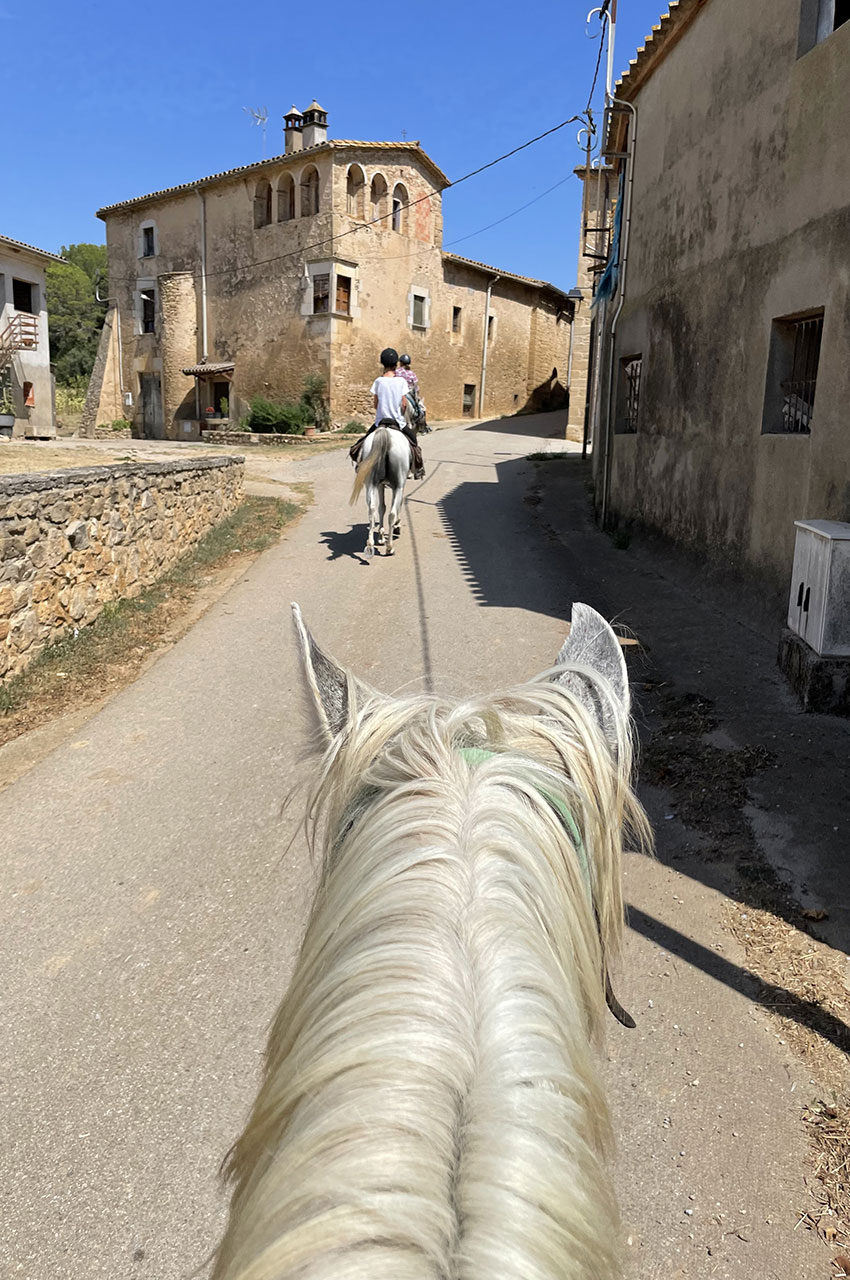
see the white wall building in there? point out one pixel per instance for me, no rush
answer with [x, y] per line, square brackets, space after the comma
[24, 341]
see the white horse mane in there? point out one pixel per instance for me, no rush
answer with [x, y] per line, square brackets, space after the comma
[430, 1108]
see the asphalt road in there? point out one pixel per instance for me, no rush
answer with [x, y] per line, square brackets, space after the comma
[154, 889]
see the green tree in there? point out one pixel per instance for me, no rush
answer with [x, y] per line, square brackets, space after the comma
[74, 313]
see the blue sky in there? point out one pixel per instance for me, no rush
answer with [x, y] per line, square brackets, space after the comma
[115, 100]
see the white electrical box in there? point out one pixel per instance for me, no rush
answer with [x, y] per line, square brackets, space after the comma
[819, 607]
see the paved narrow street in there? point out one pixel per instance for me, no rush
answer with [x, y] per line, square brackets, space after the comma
[155, 888]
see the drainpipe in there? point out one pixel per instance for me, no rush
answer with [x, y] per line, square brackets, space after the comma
[490, 284]
[200, 196]
[624, 258]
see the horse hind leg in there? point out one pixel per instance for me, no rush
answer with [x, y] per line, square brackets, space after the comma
[394, 521]
[372, 506]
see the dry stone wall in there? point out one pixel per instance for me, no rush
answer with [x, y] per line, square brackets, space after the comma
[72, 540]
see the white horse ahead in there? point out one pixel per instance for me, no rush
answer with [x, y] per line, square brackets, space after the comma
[384, 461]
[431, 1106]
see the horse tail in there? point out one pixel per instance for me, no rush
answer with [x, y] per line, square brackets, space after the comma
[365, 468]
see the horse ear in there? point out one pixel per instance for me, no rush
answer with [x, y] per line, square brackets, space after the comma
[593, 644]
[334, 690]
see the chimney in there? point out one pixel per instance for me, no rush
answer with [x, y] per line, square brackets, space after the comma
[315, 125]
[293, 136]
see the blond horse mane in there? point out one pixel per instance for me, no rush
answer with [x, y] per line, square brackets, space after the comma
[430, 1107]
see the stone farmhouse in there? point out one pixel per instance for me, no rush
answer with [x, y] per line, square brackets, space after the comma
[721, 413]
[311, 262]
[26, 382]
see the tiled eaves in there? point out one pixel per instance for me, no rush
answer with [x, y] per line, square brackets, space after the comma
[19, 245]
[667, 32]
[507, 275]
[275, 162]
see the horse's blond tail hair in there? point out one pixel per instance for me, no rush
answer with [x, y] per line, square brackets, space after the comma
[431, 1107]
[365, 469]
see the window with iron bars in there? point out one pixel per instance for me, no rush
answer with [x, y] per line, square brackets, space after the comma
[792, 374]
[631, 372]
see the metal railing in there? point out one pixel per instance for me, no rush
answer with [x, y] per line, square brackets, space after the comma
[20, 334]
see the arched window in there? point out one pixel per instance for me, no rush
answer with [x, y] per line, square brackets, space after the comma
[378, 197]
[356, 192]
[400, 202]
[262, 204]
[309, 192]
[286, 199]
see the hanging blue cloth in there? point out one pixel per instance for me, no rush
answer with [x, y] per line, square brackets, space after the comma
[608, 280]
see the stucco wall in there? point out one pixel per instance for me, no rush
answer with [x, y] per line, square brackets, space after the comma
[741, 216]
[72, 540]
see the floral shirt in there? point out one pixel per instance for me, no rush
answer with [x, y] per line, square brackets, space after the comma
[409, 376]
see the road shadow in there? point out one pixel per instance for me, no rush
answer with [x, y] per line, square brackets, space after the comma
[807, 1013]
[548, 426]
[348, 542]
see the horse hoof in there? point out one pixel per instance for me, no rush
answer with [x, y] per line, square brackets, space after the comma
[369, 552]
[379, 539]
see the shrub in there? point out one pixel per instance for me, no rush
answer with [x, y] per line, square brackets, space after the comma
[353, 427]
[71, 396]
[289, 417]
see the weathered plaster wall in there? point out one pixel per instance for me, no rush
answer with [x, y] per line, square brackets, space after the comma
[72, 540]
[741, 215]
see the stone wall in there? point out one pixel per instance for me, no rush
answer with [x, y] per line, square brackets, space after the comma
[72, 540]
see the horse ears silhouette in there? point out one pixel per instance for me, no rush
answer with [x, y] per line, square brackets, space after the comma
[590, 651]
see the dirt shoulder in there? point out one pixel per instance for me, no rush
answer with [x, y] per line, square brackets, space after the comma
[743, 918]
[72, 679]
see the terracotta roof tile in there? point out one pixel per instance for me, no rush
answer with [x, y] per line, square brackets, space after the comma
[30, 248]
[498, 271]
[259, 165]
[665, 33]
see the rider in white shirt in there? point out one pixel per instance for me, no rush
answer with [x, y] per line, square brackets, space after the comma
[390, 402]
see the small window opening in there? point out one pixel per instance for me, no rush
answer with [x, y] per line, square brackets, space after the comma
[355, 191]
[343, 295]
[489, 327]
[399, 208]
[28, 393]
[23, 298]
[321, 294]
[378, 197]
[468, 399]
[418, 311]
[310, 193]
[792, 374]
[147, 242]
[148, 310]
[631, 372]
[457, 313]
[263, 204]
[286, 199]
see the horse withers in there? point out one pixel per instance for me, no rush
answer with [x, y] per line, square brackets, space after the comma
[431, 1107]
[385, 461]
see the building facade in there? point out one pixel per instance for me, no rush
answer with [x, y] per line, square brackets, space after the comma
[243, 283]
[26, 383]
[722, 405]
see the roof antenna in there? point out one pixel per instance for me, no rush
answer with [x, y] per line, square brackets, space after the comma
[259, 115]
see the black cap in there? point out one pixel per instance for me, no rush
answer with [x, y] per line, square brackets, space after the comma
[389, 357]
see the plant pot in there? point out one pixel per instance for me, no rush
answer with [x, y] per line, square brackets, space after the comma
[309, 431]
[7, 425]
